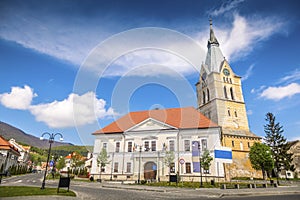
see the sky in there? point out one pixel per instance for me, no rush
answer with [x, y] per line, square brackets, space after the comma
[74, 66]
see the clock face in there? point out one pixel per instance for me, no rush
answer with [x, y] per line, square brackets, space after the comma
[226, 72]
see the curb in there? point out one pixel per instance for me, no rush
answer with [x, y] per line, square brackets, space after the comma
[132, 188]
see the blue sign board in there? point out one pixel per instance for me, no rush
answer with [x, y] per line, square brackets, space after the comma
[222, 154]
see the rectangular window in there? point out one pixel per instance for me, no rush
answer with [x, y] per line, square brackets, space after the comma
[104, 145]
[248, 144]
[204, 144]
[172, 145]
[102, 169]
[128, 169]
[172, 168]
[129, 149]
[147, 146]
[187, 145]
[116, 166]
[232, 143]
[241, 145]
[188, 168]
[153, 145]
[117, 146]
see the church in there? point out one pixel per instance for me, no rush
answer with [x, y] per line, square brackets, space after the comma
[138, 144]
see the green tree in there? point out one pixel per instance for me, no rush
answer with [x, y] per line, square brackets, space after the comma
[278, 144]
[206, 161]
[169, 160]
[102, 160]
[261, 158]
[76, 162]
[61, 163]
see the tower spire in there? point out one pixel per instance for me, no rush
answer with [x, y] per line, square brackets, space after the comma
[212, 37]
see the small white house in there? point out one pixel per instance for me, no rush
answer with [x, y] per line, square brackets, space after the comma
[137, 145]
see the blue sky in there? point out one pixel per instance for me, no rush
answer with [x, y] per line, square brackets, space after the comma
[53, 55]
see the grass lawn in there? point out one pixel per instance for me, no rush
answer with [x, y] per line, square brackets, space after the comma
[12, 191]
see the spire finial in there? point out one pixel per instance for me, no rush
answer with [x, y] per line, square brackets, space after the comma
[212, 38]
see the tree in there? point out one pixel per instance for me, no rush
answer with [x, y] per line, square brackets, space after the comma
[61, 163]
[77, 161]
[277, 142]
[206, 161]
[261, 158]
[102, 160]
[169, 160]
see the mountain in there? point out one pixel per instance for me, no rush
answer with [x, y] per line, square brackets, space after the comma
[7, 131]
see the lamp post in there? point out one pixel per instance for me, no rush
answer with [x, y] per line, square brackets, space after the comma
[139, 174]
[51, 140]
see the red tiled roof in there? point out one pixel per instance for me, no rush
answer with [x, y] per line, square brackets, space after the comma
[5, 145]
[181, 118]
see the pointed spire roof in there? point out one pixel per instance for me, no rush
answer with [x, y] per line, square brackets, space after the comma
[214, 56]
[212, 37]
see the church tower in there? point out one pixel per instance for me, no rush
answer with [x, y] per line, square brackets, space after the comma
[220, 98]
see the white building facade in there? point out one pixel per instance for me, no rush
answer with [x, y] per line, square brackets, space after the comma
[137, 145]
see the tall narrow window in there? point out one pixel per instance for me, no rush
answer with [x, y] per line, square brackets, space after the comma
[228, 111]
[117, 146]
[225, 92]
[187, 145]
[204, 144]
[116, 166]
[172, 168]
[172, 145]
[129, 149]
[147, 146]
[248, 144]
[208, 95]
[104, 146]
[128, 168]
[203, 100]
[224, 79]
[235, 113]
[231, 93]
[232, 143]
[153, 145]
[241, 145]
[188, 168]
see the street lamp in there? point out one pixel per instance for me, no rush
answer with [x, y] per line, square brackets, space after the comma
[51, 140]
[197, 144]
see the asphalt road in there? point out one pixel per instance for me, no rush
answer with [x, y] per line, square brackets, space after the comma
[86, 190]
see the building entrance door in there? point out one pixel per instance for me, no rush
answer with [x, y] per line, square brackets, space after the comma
[150, 170]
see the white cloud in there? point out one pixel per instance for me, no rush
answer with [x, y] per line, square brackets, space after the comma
[278, 93]
[249, 112]
[71, 39]
[248, 73]
[60, 114]
[225, 7]
[291, 77]
[18, 98]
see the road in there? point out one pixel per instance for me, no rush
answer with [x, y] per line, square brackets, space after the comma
[87, 190]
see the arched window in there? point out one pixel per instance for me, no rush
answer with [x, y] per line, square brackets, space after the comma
[208, 94]
[224, 79]
[231, 93]
[225, 92]
[203, 100]
[235, 113]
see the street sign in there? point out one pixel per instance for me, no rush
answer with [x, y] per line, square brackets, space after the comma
[223, 154]
[51, 163]
[181, 161]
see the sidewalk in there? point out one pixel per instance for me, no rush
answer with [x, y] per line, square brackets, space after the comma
[190, 192]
